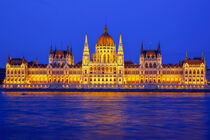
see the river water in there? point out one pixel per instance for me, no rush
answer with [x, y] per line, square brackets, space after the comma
[37, 116]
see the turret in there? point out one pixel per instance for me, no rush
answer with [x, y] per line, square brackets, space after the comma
[120, 52]
[186, 58]
[158, 49]
[86, 54]
[68, 52]
[141, 58]
[142, 49]
[105, 28]
[23, 59]
[55, 48]
[202, 58]
[51, 50]
[180, 62]
[8, 61]
[71, 52]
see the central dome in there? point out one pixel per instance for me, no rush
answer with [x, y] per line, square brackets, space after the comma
[105, 39]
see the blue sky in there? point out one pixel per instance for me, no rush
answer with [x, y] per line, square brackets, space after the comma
[28, 26]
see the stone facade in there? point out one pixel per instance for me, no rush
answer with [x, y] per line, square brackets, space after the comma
[105, 67]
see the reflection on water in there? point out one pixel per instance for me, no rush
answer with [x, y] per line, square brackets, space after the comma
[104, 115]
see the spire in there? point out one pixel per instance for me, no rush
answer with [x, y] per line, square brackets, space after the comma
[86, 54]
[120, 47]
[37, 61]
[120, 42]
[55, 48]
[158, 49]
[67, 48]
[8, 58]
[71, 53]
[186, 58]
[202, 58]
[180, 62]
[86, 49]
[86, 41]
[142, 49]
[51, 50]
[23, 59]
[105, 28]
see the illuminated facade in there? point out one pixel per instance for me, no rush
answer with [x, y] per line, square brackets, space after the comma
[106, 68]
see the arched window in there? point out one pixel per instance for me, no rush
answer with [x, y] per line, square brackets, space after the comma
[201, 71]
[193, 71]
[186, 72]
[154, 65]
[150, 65]
[198, 72]
[114, 70]
[104, 58]
[102, 70]
[146, 65]
[190, 72]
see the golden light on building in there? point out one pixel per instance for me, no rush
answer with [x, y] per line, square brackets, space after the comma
[106, 68]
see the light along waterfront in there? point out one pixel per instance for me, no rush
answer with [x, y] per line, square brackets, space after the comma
[106, 67]
[104, 115]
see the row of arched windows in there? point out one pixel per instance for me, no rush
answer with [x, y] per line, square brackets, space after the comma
[150, 65]
[15, 72]
[102, 70]
[194, 72]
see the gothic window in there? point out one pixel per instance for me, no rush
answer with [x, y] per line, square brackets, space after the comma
[150, 65]
[102, 70]
[194, 72]
[146, 65]
[198, 72]
[201, 71]
[186, 72]
[104, 58]
[190, 72]
[154, 65]
[114, 70]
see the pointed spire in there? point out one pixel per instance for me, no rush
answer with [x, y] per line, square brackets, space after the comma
[23, 59]
[86, 41]
[51, 50]
[37, 61]
[142, 48]
[158, 49]
[86, 54]
[8, 58]
[67, 48]
[55, 48]
[120, 42]
[120, 47]
[180, 62]
[105, 28]
[186, 58]
[86, 48]
[71, 52]
[202, 57]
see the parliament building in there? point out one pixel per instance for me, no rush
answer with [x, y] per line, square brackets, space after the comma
[106, 68]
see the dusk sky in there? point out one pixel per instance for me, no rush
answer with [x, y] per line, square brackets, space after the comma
[28, 26]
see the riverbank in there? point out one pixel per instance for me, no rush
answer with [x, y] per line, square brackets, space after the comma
[104, 90]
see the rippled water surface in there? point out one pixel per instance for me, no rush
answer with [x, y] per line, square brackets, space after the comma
[104, 116]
